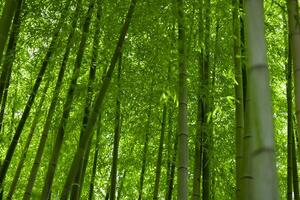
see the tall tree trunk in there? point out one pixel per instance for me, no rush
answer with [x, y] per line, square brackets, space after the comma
[243, 54]
[296, 137]
[172, 171]
[206, 129]
[295, 170]
[1, 189]
[247, 178]
[212, 105]
[263, 157]
[121, 185]
[182, 177]
[290, 130]
[170, 141]
[145, 146]
[145, 151]
[27, 143]
[77, 185]
[31, 98]
[51, 110]
[67, 106]
[97, 106]
[9, 59]
[114, 166]
[290, 126]
[160, 151]
[108, 188]
[239, 103]
[3, 105]
[294, 32]
[198, 143]
[205, 145]
[198, 158]
[5, 22]
[95, 160]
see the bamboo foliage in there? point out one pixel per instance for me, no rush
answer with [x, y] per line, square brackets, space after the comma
[27, 144]
[76, 189]
[78, 158]
[67, 105]
[51, 109]
[30, 101]
[192, 77]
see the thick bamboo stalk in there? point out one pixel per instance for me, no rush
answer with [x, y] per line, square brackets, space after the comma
[160, 155]
[239, 105]
[294, 33]
[290, 130]
[170, 141]
[263, 157]
[144, 156]
[95, 160]
[182, 169]
[169, 193]
[10, 55]
[295, 170]
[117, 135]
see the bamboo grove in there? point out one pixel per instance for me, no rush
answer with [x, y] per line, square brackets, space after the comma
[136, 99]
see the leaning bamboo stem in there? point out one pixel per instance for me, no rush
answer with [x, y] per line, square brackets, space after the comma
[5, 22]
[67, 106]
[51, 110]
[27, 144]
[30, 100]
[80, 152]
[77, 185]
